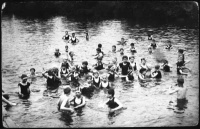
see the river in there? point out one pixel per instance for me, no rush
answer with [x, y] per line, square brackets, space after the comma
[31, 42]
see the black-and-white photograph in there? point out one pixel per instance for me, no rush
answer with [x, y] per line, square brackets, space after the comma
[99, 64]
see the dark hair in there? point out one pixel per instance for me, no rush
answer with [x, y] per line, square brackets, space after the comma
[88, 76]
[111, 91]
[114, 46]
[132, 44]
[98, 49]
[66, 46]
[143, 59]
[180, 50]
[142, 70]
[157, 66]
[121, 49]
[67, 90]
[32, 69]
[131, 57]
[180, 80]
[99, 45]
[124, 57]
[23, 76]
[85, 62]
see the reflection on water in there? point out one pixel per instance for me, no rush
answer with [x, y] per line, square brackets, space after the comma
[28, 43]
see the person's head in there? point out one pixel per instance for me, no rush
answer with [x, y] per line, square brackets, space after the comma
[153, 41]
[180, 81]
[98, 50]
[143, 61]
[142, 71]
[66, 47]
[121, 50]
[24, 78]
[114, 48]
[99, 61]
[104, 78]
[99, 45]
[32, 70]
[96, 74]
[78, 92]
[50, 73]
[180, 51]
[67, 90]
[157, 67]
[132, 44]
[131, 58]
[73, 34]
[57, 50]
[165, 62]
[169, 42]
[89, 78]
[122, 39]
[66, 32]
[125, 59]
[84, 63]
[65, 60]
[111, 93]
[71, 53]
[149, 35]
[150, 48]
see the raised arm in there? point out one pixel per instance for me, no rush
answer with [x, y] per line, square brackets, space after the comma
[117, 108]
[83, 103]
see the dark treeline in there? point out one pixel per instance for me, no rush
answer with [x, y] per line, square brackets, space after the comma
[148, 12]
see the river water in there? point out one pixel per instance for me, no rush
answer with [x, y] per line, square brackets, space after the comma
[31, 42]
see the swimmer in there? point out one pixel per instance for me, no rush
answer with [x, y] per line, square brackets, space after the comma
[114, 49]
[99, 54]
[87, 88]
[96, 79]
[132, 49]
[87, 36]
[5, 98]
[66, 36]
[74, 39]
[144, 65]
[57, 53]
[181, 91]
[133, 63]
[156, 73]
[113, 103]
[122, 42]
[125, 67]
[181, 57]
[100, 47]
[165, 66]
[84, 68]
[169, 46]
[33, 75]
[24, 90]
[104, 84]
[99, 65]
[79, 100]
[180, 68]
[150, 37]
[66, 48]
[121, 50]
[63, 102]
[153, 44]
[71, 56]
[142, 76]
[150, 50]
[74, 77]
[53, 81]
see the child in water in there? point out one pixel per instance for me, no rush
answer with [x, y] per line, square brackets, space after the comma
[57, 53]
[113, 103]
[53, 81]
[66, 48]
[84, 68]
[181, 91]
[100, 47]
[88, 88]
[79, 100]
[99, 54]
[150, 50]
[74, 39]
[24, 90]
[66, 36]
[132, 49]
[114, 49]
[98, 65]
[105, 84]
[153, 44]
[181, 57]
[142, 77]
[122, 42]
[125, 68]
[156, 73]
[87, 36]
[96, 79]
[169, 46]
[150, 37]
[121, 51]
[74, 77]
[144, 65]
[63, 102]
[165, 66]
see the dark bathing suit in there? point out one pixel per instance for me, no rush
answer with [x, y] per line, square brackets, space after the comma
[96, 83]
[112, 104]
[66, 38]
[24, 89]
